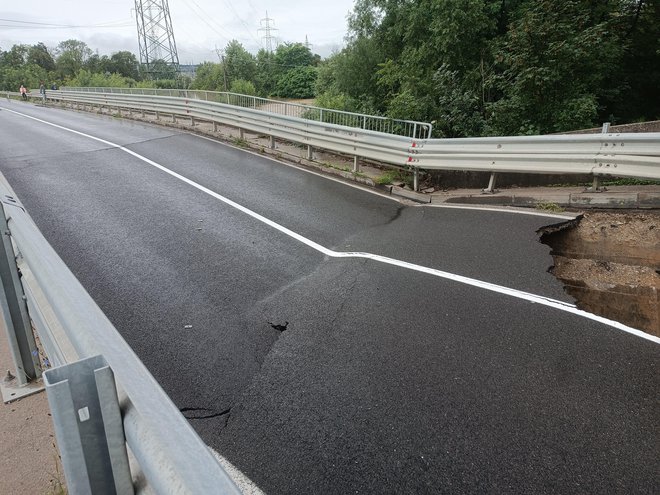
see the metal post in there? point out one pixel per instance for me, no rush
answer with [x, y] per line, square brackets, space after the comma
[14, 309]
[606, 128]
[310, 152]
[491, 184]
[241, 134]
[88, 427]
[415, 179]
[356, 164]
[173, 118]
[215, 126]
[272, 142]
[192, 121]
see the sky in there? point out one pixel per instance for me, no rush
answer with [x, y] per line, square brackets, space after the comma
[200, 26]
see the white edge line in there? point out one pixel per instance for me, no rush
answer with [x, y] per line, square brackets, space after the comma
[533, 298]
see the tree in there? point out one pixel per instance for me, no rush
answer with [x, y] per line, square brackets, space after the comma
[16, 56]
[298, 82]
[71, 57]
[292, 55]
[239, 63]
[265, 78]
[40, 55]
[553, 64]
[210, 77]
[124, 63]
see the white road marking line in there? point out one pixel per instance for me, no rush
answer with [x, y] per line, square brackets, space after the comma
[533, 298]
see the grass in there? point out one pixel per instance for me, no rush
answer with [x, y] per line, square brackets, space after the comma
[549, 206]
[394, 175]
[240, 143]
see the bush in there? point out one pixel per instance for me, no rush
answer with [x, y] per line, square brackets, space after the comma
[243, 87]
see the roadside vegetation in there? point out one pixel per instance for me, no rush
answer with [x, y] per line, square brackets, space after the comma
[473, 67]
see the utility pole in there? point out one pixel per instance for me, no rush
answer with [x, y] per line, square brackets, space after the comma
[267, 30]
[155, 35]
[221, 58]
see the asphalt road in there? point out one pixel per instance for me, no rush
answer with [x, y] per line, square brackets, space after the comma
[319, 374]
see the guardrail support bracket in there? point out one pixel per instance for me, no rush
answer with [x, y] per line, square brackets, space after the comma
[491, 184]
[88, 427]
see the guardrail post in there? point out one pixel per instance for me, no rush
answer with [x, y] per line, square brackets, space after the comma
[14, 310]
[491, 184]
[241, 134]
[356, 164]
[597, 181]
[272, 142]
[310, 152]
[215, 126]
[415, 179]
[88, 427]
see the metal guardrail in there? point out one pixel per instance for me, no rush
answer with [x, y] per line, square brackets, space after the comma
[399, 127]
[601, 155]
[96, 422]
[607, 154]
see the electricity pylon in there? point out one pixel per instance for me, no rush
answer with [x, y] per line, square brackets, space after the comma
[155, 36]
[267, 29]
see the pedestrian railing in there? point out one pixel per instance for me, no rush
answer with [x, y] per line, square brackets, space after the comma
[116, 429]
[399, 127]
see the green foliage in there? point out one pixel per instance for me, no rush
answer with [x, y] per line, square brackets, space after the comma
[480, 67]
[86, 78]
[297, 83]
[549, 206]
[239, 63]
[293, 55]
[553, 64]
[40, 55]
[209, 76]
[243, 87]
[71, 56]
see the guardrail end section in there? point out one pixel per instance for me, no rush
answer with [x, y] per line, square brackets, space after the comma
[88, 427]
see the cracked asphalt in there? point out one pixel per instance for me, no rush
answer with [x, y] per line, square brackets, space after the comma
[326, 375]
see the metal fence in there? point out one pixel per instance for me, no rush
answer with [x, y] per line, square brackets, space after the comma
[406, 128]
[117, 430]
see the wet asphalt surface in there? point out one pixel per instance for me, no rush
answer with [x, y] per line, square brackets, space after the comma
[322, 375]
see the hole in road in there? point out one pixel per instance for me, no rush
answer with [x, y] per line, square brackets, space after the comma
[278, 327]
[610, 263]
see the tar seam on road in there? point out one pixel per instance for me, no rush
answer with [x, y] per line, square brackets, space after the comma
[533, 298]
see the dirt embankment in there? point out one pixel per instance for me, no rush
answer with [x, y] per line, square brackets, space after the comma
[610, 263]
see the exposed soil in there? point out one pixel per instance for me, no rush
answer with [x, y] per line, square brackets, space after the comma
[610, 263]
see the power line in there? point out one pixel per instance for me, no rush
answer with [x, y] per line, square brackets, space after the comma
[48, 25]
[203, 17]
[245, 26]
